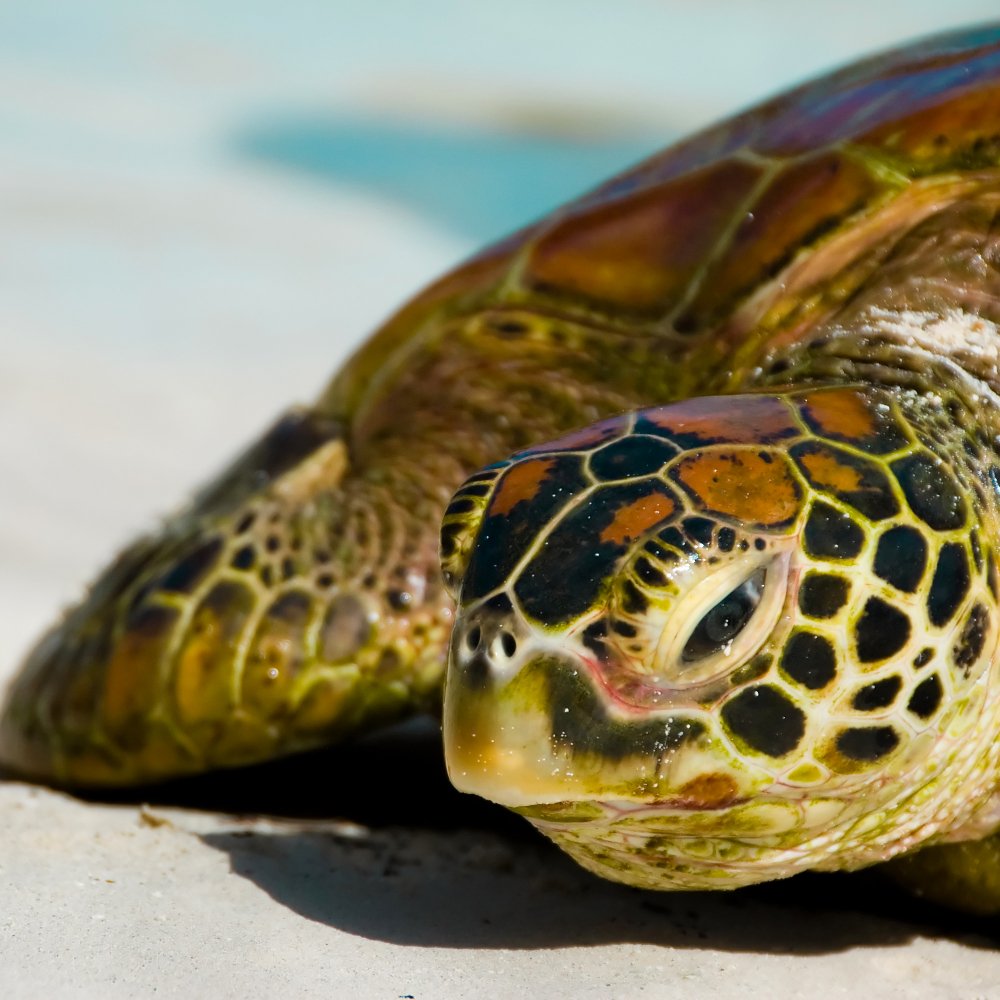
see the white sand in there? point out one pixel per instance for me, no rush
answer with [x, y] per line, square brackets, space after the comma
[99, 902]
[162, 296]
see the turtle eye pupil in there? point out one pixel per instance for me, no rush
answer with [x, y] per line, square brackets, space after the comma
[724, 622]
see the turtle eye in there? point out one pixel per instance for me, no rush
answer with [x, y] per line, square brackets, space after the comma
[703, 636]
[723, 623]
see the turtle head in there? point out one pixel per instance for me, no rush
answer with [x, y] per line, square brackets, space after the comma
[719, 641]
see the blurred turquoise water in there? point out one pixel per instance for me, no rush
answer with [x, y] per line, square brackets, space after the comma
[478, 183]
[221, 177]
[224, 176]
[411, 102]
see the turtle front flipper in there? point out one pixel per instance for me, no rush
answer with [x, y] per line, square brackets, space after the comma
[964, 876]
[298, 599]
[295, 601]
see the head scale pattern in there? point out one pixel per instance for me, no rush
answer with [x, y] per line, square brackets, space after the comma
[732, 619]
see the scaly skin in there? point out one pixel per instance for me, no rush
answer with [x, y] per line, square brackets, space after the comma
[298, 599]
[830, 262]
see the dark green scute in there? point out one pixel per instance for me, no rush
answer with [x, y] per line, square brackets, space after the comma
[901, 557]
[867, 743]
[809, 659]
[635, 455]
[832, 534]
[699, 529]
[926, 697]
[503, 539]
[881, 631]
[765, 719]
[931, 492]
[191, 568]
[649, 573]
[574, 564]
[949, 585]
[878, 694]
[822, 595]
[726, 539]
[970, 642]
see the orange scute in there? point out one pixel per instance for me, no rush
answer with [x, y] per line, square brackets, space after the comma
[751, 486]
[966, 122]
[801, 202]
[521, 482]
[733, 419]
[633, 519]
[843, 414]
[638, 252]
[829, 474]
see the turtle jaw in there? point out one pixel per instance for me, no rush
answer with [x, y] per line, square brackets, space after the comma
[645, 797]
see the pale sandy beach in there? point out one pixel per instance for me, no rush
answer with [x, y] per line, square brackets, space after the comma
[203, 212]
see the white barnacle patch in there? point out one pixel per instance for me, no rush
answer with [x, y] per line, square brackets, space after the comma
[964, 338]
[947, 333]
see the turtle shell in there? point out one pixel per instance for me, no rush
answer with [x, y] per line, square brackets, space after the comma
[678, 243]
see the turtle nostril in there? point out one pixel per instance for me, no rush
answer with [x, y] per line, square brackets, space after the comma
[473, 637]
[508, 644]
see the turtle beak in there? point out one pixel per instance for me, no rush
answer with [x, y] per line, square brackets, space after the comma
[496, 740]
[495, 730]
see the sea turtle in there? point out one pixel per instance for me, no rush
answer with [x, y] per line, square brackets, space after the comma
[729, 611]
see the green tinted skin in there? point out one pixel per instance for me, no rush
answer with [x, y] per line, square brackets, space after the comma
[771, 710]
[298, 599]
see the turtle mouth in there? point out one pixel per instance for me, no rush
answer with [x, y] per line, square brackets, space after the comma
[691, 804]
[617, 810]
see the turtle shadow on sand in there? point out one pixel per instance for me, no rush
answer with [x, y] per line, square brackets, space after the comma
[417, 863]
[473, 890]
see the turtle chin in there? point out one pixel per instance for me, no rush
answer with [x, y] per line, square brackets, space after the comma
[660, 846]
